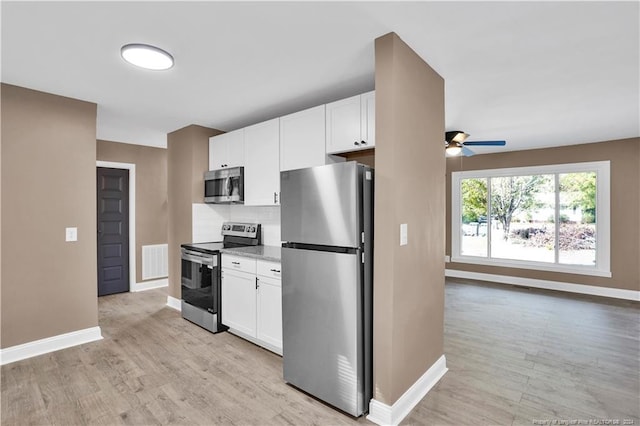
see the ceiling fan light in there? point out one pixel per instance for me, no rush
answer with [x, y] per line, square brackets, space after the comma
[453, 149]
[146, 56]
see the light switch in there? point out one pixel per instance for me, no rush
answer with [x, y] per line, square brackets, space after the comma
[71, 234]
[403, 234]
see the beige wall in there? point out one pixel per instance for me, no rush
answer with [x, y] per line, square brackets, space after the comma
[48, 183]
[188, 159]
[625, 206]
[151, 191]
[410, 170]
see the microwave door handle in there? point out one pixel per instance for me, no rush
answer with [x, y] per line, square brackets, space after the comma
[229, 187]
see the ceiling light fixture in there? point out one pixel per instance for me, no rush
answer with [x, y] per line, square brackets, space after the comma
[146, 56]
[454, 148]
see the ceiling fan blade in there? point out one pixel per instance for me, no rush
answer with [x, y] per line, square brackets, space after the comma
[485, 143]
[455, 136]
[467, 152]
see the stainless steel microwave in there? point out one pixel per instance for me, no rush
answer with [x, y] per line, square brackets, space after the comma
[224, 186]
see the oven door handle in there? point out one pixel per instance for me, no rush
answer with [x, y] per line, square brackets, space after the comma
[203, 260]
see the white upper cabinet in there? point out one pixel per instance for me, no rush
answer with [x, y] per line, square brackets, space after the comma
[262, 164]
[350, 124]
[226, 150]
[368, 118]
[302, 139]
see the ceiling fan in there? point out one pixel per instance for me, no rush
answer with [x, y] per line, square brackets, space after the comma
[456, 145]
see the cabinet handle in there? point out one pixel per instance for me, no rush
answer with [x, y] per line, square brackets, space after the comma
[257, 285]
[236, 263]
[275, 198]
[356, 143]
[275, 270]
[363, 142]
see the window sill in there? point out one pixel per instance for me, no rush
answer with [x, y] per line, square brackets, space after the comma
[548, 267]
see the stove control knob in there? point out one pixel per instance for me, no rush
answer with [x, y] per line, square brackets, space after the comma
[252, 229]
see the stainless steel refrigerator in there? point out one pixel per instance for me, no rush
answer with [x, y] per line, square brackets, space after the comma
[327, 269]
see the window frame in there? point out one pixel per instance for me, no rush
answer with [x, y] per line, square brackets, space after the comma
[602, 267]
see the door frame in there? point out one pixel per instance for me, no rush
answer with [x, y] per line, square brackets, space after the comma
[132, 214]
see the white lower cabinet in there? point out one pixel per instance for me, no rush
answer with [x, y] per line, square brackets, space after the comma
[252, 300]
[238, 301]
[269, 322]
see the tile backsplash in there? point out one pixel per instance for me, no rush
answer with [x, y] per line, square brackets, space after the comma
[207, 222]
[208, 218]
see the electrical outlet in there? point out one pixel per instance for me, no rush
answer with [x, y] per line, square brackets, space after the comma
[71, 234]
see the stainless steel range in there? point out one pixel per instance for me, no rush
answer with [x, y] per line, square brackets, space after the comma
[200, 275]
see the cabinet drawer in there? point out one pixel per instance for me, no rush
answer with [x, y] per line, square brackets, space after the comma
[269, 269]
[239, 263]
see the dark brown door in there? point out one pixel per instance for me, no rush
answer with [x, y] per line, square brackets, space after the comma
[113, 230]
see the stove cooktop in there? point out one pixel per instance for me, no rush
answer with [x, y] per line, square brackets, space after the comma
[212, 247]
[235, 234]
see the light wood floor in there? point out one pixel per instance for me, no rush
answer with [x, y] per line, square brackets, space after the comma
[519, 356]
[515, 356]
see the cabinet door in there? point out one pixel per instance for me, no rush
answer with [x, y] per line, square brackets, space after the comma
[218, 151]
[302, 139]
[235, 148]
[270, 312]
[239, 301]
[368, 119]
[226, 150]
[343, 125]
[262, 164]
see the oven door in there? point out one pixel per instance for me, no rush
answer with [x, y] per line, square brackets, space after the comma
[224, 186]
[199, 278]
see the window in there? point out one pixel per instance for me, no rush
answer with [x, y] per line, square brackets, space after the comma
[548, 218]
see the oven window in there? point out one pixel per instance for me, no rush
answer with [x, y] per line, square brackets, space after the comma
[197, 285]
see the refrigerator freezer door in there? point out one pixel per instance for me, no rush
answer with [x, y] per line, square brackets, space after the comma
[320, 205]
[322, 330]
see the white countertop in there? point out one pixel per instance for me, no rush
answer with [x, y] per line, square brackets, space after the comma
[270, 253]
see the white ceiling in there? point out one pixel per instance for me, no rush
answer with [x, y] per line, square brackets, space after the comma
[537, 74]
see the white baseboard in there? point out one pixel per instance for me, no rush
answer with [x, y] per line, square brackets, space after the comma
[174, 303]
[148, 285]
[273, 348]
[383, 414]
[49, 344]
[616, 293]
